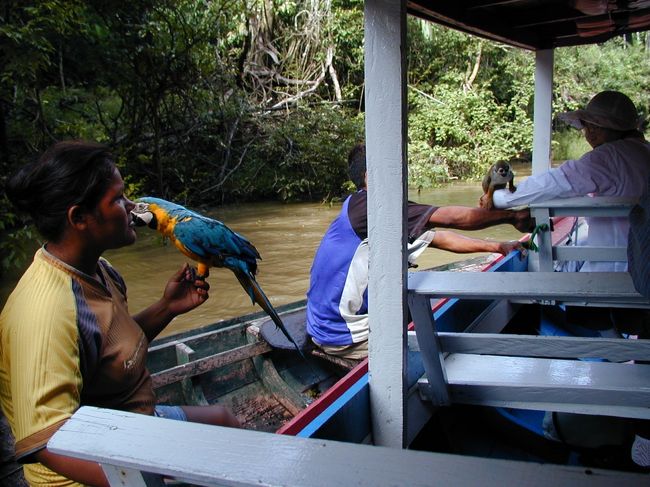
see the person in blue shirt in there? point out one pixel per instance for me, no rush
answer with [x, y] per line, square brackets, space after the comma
[337, 300]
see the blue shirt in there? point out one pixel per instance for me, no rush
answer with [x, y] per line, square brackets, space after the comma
[337, 300]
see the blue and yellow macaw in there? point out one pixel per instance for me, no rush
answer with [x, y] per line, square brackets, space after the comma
[210, 243]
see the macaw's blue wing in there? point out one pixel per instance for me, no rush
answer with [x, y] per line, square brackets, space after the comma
[216, 243]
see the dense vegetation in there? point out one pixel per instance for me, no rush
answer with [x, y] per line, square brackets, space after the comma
[222, 101]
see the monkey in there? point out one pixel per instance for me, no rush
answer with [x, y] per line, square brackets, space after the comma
[498, 176]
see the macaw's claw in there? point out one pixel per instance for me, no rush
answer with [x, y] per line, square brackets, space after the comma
[195, 276]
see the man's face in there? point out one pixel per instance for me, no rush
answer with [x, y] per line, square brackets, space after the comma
[594, 135]
[110, 223]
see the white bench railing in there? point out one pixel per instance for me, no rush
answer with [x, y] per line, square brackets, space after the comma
[527, 372]
[137, 450]
[582, 206]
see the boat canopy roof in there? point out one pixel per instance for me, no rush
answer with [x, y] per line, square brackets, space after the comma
[538, 24]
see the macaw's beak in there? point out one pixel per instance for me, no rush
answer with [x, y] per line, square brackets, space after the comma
[142, 216]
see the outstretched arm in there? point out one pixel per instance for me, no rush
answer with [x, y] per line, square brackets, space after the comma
[454, 242]
[542, 187]
[466, 218]
[182, 294]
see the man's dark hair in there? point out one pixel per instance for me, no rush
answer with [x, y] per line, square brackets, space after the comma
[357, 165]
[69, 173]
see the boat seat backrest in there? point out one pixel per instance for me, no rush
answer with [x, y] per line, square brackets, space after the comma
[584, 206]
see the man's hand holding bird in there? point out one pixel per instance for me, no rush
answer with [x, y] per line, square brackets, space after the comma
[184, 291]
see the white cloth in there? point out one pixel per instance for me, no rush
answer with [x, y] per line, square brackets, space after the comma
[619, 168]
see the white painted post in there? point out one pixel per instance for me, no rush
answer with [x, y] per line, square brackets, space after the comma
[542, 128]
[543, 108]
[386, 129]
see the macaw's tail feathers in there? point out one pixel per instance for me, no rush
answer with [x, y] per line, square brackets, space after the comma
[254, 290]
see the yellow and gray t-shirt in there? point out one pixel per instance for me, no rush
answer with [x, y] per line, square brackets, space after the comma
[67, 340]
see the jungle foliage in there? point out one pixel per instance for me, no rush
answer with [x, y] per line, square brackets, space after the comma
[208, 102]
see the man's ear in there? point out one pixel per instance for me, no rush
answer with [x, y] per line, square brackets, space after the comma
[77, 217]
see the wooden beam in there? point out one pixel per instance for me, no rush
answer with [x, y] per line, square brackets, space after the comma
[386, 142]
[192, 391]
[574, 386]
[206, 364]
[542, 111]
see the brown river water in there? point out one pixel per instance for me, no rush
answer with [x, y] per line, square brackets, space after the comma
[286, 236]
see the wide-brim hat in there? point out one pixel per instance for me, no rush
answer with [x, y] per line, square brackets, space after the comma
[608, 109]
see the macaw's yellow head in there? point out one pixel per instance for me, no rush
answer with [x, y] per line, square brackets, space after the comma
[158, 214]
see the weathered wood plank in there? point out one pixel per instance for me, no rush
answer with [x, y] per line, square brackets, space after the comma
[290, 399]
[432, 354]
[211, 455]
[212, 332]
[214, 338]
[344, 363]
[207, 364]
[613, 349]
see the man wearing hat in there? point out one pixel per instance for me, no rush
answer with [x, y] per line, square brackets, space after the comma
[618, 165]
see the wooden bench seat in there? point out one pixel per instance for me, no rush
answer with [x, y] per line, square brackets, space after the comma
[610, 349]
[605, 389]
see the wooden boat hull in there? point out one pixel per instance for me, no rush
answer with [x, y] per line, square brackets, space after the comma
[346, 404]
[342, 413]
[228, 363]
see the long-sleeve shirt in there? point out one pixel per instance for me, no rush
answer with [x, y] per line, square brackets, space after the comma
[619, 168]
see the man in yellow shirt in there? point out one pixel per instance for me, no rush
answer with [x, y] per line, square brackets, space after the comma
[66, 335]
